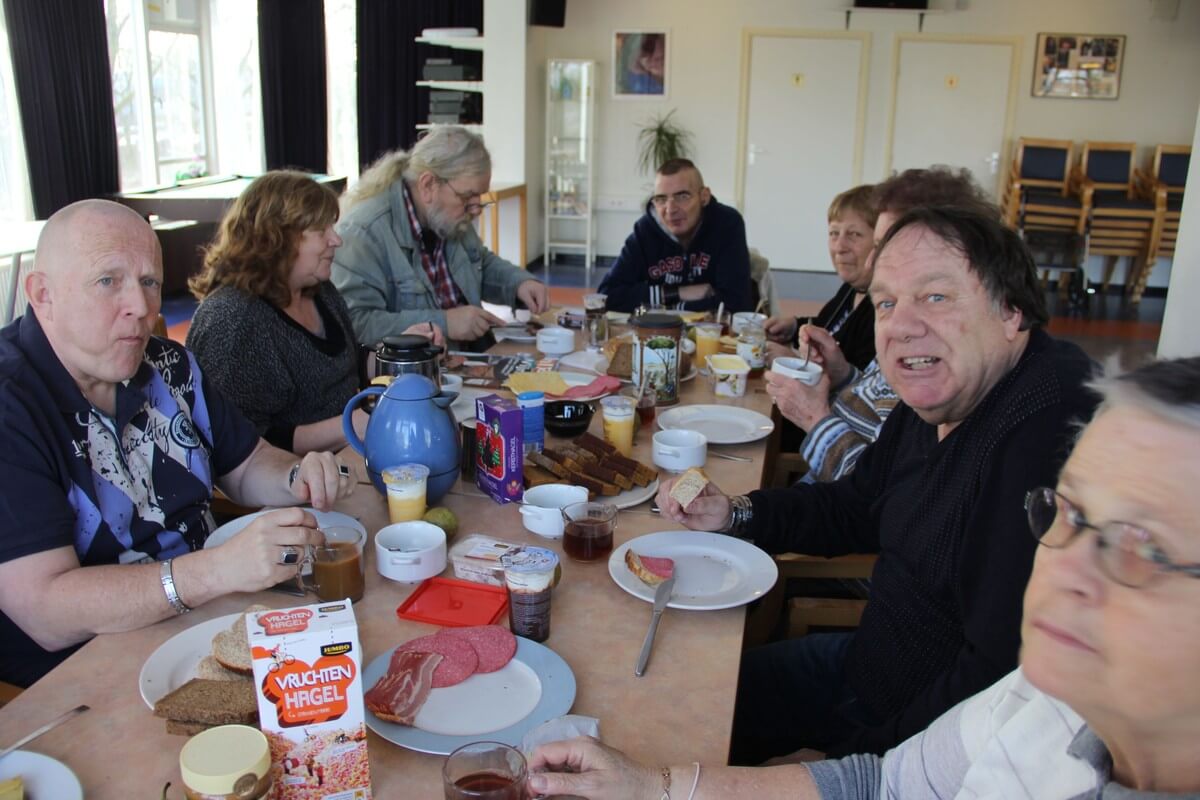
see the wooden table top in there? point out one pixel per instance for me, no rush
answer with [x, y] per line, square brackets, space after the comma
[680, 711]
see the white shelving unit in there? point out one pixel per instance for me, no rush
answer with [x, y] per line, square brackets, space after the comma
[570, 158]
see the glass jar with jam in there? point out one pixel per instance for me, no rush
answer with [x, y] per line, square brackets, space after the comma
[752, 347]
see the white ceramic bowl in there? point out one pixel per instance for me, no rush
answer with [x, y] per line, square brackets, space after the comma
[452, 383]
[809, 373]
[729, 375]
[678, 449]
[556, 341]
[410, 551]
[541, 509]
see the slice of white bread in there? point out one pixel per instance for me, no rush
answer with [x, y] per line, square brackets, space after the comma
[231, 648]
[211, 703]
[688, 487]
[651, 571]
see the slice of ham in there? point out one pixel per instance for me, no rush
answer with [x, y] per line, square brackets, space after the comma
[605, 384]
[400, 693]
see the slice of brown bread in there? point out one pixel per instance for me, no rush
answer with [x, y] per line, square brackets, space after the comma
[211, 702]
[231, 647]
[176, 728]
[211, 669]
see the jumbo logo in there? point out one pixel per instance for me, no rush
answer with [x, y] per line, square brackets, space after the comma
[276, 623]
[307, 695]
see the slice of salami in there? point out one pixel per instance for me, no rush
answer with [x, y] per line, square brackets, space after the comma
[459, 660]
[494, 644]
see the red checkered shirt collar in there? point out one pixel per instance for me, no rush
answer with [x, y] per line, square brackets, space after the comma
[435, 266]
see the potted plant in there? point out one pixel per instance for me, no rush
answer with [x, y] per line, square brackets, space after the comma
[660, 140]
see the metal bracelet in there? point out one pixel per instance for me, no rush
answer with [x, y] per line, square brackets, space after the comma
[167, 577]
[742, 512]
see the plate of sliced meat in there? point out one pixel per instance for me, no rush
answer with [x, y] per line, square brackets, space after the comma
[436, 693]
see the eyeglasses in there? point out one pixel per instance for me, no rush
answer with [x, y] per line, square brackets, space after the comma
[465, 199]
[680, 198]
[1125, 552]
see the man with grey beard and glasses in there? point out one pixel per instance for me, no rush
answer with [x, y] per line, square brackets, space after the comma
[410, 252]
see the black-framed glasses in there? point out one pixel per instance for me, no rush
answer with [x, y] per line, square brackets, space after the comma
[465, 199]
[1126, 553]
[680, 198]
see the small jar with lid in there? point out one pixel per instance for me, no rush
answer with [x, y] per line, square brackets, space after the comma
[656, 355]
[752, 346]
[229, 762]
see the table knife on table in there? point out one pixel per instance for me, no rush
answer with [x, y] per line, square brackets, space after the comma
[662, 595]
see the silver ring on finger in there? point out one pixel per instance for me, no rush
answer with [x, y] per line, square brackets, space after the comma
[289, 556]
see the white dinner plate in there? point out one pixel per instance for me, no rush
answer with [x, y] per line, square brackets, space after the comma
[325, 519]
[43, 776]
[712, 570]
[632, 497]
[464, 405]
[501, 706]
[580, 379]
[174, 662]
[719, 424]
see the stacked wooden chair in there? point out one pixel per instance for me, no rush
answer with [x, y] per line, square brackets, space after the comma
[1116, 222]
[1163, 186]
[1038, 203]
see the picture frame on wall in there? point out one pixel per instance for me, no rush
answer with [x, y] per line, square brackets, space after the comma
[1082, 66]
[640, 64]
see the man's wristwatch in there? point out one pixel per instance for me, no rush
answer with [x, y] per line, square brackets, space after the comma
[741, 511]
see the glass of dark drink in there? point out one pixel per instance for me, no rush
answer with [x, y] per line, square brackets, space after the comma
[338, 566]
[588, 530]
[484, 771]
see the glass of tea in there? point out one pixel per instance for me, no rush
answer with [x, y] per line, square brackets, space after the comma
[484, 771]
[338, 565]
[588, 530]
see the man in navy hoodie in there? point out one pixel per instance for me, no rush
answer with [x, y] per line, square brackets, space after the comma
[687, 251]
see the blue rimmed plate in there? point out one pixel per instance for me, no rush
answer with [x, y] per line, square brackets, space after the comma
[501, 706]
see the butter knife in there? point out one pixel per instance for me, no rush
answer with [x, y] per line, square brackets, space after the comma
[662, 595]
[54, 723]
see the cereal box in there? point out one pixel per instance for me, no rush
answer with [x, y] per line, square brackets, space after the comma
[499, 452]
[307, 671]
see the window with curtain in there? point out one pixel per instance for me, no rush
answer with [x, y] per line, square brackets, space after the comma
[16, 203]
[341, 67]
[238, 97]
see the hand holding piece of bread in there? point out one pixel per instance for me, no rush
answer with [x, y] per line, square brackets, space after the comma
[688, 487]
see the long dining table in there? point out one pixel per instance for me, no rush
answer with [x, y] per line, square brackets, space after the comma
[680, 711]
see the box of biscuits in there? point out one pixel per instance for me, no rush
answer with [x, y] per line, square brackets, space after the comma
[308, 681]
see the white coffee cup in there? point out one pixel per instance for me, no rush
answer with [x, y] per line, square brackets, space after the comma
[452, 383]
[809, 373]
[677, 450]
[556, 341]
[410, 551]
[541, 509]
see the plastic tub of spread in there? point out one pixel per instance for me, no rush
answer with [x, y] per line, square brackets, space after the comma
[229, 762]
[477, 558]
[729, 375]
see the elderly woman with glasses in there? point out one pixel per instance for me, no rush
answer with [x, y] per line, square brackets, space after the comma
[411, 254]
[1106, 702]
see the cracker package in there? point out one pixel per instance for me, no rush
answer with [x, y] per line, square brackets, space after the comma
[499, 448]
[308, 678]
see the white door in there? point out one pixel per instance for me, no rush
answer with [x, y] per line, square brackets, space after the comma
[951, 107]
[802, 143]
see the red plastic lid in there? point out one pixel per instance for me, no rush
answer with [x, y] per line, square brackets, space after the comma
[449, 601]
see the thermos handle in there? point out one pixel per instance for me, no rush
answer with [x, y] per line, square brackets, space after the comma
[348, 418]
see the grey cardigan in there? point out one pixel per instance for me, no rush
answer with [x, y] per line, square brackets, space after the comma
[378, 270]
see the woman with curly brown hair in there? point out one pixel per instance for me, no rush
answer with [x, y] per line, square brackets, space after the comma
[271, 331]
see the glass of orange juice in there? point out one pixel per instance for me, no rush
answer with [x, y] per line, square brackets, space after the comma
[618, 422]
[405, 491]
[708, 343]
